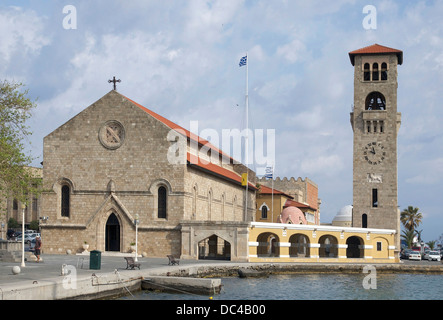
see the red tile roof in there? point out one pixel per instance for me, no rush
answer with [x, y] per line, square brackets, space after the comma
[376, 49]
[292, 203]
[232, 176]
[212, 168]
[266, 190]
[175, 126]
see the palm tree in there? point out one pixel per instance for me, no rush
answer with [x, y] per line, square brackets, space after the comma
[431, 244]
[419, 234]
[408, 235]
[411, 218]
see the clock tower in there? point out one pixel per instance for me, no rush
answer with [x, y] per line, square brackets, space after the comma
[375, 122]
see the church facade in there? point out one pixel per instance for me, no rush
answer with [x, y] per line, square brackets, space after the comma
[118, 168]
[115, 164]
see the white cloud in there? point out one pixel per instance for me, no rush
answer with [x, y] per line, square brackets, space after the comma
[293, 51]
[21, 34]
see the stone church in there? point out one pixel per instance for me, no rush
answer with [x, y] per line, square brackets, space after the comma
[115, 164]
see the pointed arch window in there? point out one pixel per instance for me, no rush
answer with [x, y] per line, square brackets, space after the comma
[384, 71]
[366, 72]
[264, 212]
[194, 203]
[65, 207]
[162, 203]
[375, 75]
[364, 220]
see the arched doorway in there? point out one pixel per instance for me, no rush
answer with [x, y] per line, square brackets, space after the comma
[355, 247]
[299, 245]
[268, 245]
[112, 239]
[214, 248]
[328, 246]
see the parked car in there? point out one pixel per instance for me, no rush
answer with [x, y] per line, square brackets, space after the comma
[28, 238]
[415, 255]
[405, 254]
[432, 255]
[11, 234]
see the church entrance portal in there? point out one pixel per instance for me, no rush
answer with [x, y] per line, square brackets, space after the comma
[112, 240]
[214, 248]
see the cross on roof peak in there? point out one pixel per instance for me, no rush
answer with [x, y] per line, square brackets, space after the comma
[115, 82]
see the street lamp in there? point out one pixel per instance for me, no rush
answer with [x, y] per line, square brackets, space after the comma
[23, 235]
[136, 222]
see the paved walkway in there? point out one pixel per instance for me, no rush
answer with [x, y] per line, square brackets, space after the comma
[52, 265]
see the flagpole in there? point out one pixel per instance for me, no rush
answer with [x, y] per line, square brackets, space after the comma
[272, 205]
[247, 137]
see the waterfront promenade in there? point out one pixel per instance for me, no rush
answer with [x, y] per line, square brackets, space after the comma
[44, 280]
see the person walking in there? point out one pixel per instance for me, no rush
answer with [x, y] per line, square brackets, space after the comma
[38, 247]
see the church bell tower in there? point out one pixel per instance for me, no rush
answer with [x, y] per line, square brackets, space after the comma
[375, 122]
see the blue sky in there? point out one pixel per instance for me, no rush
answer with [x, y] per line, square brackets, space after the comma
[180, 59]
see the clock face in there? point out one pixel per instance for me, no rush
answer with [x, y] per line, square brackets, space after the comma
[112, 134]
[374, 153]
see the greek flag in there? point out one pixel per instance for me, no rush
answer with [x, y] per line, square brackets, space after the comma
[243, 61]
[269, 173]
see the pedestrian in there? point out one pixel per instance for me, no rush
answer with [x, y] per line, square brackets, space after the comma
[37, 247]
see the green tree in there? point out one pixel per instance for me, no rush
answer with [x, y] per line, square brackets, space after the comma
[16, 179]
[411, 218]
[34, 224]
[12, 223]
[431, 244]
[408, 236]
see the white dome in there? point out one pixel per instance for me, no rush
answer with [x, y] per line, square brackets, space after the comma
[345, 214]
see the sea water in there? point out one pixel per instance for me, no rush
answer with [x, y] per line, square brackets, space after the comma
[318, 287]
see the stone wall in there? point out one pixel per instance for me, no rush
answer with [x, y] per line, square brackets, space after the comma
[124, 178]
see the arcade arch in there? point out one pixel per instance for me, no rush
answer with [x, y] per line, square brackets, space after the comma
[355, 247]
[299, 246]
[268, 245]
[328, 246]
[214, 248]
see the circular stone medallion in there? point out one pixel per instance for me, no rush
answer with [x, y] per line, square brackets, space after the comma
[112, 134]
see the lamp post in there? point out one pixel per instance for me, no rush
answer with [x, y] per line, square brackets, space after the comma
[23, 235]
[136, 222]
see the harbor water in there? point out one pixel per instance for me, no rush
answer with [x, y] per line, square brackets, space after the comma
[318, 287]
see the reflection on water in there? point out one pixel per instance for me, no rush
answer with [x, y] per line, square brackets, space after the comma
[319, 287]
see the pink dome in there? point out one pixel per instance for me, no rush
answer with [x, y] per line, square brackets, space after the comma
[292, 215]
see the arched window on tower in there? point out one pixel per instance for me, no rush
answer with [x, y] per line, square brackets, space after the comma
[65, 207]
[162, 202]
[384, 71]
[375, 101]
[364, 220]
[366, 72]
[264, 212]
[375, 76]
